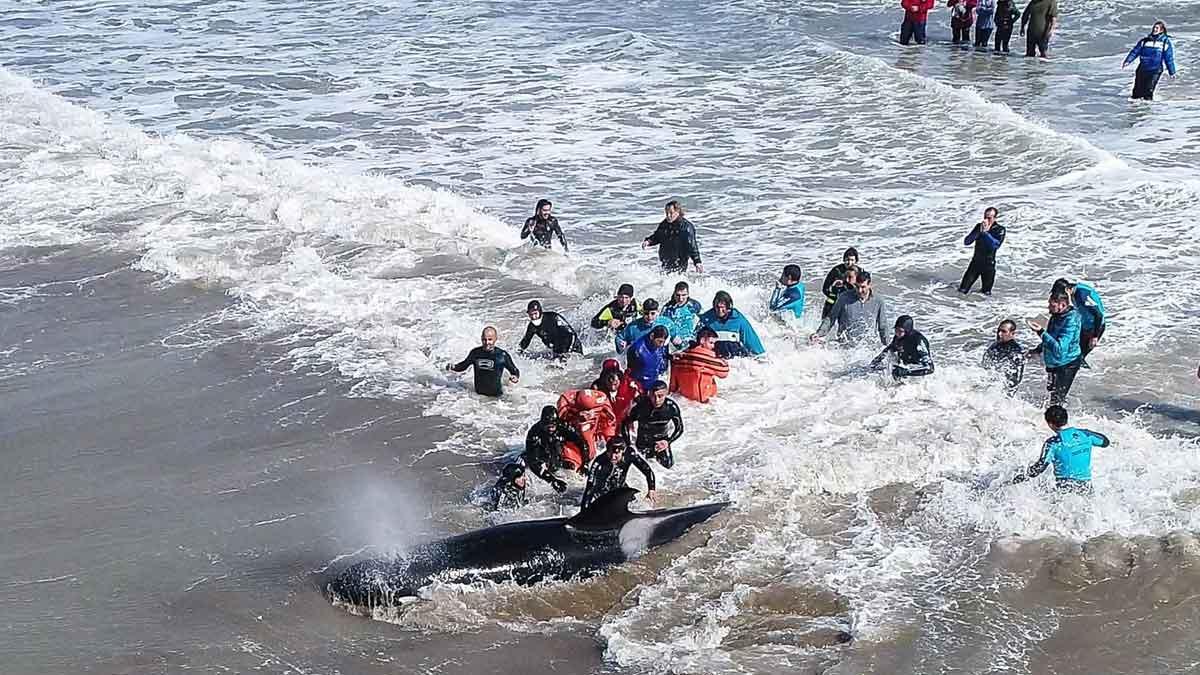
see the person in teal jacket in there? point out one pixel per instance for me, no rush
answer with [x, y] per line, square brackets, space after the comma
[735, 335]
[634, 330]
[682, 315]
[1069, 450]
[1059, 347]
[788, 296]
[1086, 300]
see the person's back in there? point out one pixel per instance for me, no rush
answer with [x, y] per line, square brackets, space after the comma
[694, 372]
[1069, 450]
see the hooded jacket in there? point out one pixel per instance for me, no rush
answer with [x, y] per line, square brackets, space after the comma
[1155, 51]
[1060, 339]
[913, 357]
[735, 335]
[636, 329]
[1090, 307]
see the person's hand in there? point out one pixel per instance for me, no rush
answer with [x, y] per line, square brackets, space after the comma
[661, 446]
[1093, 342]
[814, 338]
[614, 324]
[652, 496]
[645, 243]
[985, 226]
[559, 485]
[700, 268]
[450, 367]
[1022, 32]
[514, 379]
[1033, 325]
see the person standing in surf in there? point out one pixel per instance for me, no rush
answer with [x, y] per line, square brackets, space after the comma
[857, 314]
[1086, 301]
[962, 15]
[987, 236]
[1007, 15]
[675, 238]
[1059, 347]
[1152, 53]
[1037, 26]
[1005, 356]
[1069, 450]
[542, 226]
[554, 331]
[985, 14]
[489, 362]
[835, 281]
[683, 315]
[916, 15]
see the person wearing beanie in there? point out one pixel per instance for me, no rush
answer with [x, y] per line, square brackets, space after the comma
[509, 490]
[622, 310]
[553, 330]
[735, 335]
[909, 351]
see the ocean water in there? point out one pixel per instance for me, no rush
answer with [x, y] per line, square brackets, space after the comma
[240, 240]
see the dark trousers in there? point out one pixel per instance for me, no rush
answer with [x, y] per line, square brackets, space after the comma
[826, 309]
[961, 34]
[1002, 37]
[981, 36]
[1059, 381]
[1144, 83]
[1038, 42]
[1085, 342]
[910, 30]
[979, 267]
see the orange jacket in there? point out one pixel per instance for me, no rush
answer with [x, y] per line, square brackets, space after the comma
[694, 373]
[591, 413]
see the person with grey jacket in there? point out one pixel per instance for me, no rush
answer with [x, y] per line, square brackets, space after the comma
[854, 313]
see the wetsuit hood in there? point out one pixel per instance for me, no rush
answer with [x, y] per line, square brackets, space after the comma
[549, 415]
[905, 321]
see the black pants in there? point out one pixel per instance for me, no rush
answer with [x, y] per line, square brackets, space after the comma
[1144, 83]
[1085, 342]
[979, 267]
[1039, 42]
[1059, 381]
[826, 308]
[962, 34]
[666, 458]
[1003, 35]
[910, 30]
[981, 36]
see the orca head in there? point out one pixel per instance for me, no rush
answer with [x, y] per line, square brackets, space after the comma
[376, 583]
[655, 528]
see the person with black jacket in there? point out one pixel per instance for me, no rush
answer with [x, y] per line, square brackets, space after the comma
[622, 310]
[541, 226]
[675, 238]
[659, 424]
[835, 281]
[1006, 356]
[610, 470]
[553, 330]
[910, 351]
[509, 490]
[544, 445]
[987, 236]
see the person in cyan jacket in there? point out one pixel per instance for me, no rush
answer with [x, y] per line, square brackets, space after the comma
[682, 315]
[1152, 53]
[1086, 301]
[986, 236]
[735, 335]
[1069, 450]
[909, 351]
[1059, 347]
[634, 330]
[675, 238]
[788, 296]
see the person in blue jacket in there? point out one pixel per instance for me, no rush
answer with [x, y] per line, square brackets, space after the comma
[1086, 300]
[1059, 347]
[987, 236]
[648, 357]
[788, 296]
[635, 329]
[1152, 53]
[682, 315]
[1069, 450]
[735, 335]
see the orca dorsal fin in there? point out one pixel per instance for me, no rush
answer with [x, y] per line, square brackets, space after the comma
[610, 510]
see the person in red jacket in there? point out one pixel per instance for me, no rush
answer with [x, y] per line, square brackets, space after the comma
[916, 13]
[694, 372]
[962, 16]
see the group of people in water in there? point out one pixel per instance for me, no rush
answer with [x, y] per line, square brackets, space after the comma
[625, 419]
[1037, 22]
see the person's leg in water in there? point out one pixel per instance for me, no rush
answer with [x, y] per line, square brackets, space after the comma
[919, 32]
[1059, 381]
[906, 30]
[969, 277]
[981, 37]
[1144, 83]
[1031, 42]
[988, 273]
[1002, 37]
[1043, 45]
[1085, 346]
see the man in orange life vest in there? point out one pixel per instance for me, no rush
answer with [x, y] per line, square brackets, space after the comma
[694, 372]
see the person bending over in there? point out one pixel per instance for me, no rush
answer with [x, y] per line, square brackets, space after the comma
[909, 351]
[610, 470]
[553, 330]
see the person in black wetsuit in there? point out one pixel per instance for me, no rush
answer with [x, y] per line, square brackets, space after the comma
[541, 226]
[911, 351]
[987, 236]
[1006, 356]
[835, 281]
[622, 310]
[544, 444]
[610, 469]
[655, 414]
[553, 330]
[675, 238]
[509, 490]
[489, 362]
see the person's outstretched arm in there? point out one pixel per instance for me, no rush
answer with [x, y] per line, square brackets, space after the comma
[1040, 465]
[465, 363]
[1134, 54]
[1169, 57]
[636, 459]
[530, 331]
[750, 338]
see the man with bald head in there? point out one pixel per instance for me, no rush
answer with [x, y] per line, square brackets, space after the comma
[489, 362]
